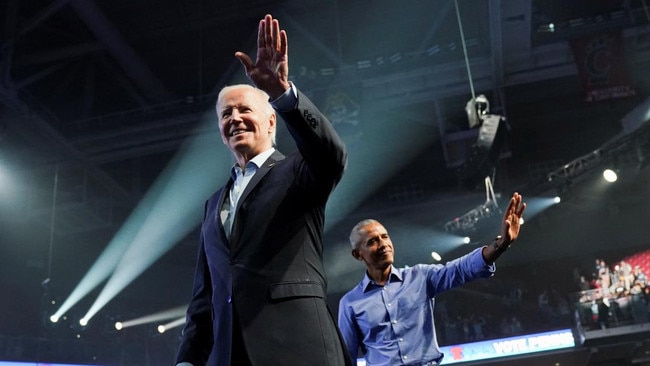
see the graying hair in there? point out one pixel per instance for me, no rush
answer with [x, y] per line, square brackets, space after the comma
[267, 107]
[358, 230]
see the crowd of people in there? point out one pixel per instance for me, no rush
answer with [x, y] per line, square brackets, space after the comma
[524, 305]
[615, 295]
[620, 280]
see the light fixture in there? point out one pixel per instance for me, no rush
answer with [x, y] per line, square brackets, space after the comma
[610, 175]
[485, 152]
[467, 222]
[436, 256]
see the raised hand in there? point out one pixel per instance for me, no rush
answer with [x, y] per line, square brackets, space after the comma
[270, 72]
[511, 219]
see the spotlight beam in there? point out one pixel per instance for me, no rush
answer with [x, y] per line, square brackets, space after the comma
[104, 265]
[162, 217]
[163, 315]
[174, 207]
[165, 327]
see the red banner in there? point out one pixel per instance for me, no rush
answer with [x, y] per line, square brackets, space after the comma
[601, 66]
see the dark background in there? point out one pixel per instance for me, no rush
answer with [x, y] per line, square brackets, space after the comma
[103, 94]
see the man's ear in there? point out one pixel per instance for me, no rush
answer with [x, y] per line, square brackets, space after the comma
[355, 254]
[272, 121]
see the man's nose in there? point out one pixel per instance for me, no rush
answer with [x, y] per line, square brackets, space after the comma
[235, 115]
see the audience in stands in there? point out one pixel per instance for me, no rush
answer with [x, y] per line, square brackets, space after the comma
[611, 295]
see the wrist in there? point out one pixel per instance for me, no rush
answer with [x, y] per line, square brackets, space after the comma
[499, 245]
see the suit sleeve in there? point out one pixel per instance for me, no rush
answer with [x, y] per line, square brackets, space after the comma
[322, 148]
[197, 337]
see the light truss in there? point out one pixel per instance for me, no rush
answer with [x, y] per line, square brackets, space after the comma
[468, 221]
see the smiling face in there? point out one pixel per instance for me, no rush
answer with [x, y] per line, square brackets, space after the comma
[374, 247]
[246, 121]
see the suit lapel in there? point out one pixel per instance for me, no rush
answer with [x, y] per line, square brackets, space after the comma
[261, 172]
[252, 185]
[222, 198]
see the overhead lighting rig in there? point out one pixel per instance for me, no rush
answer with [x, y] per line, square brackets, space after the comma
[467, 222]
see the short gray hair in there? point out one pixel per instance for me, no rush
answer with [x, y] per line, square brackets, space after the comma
[358, 230]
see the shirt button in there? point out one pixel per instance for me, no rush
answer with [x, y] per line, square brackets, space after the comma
[406, 357]
[401, 339]
[388, 304]
[394, 321]
[229, 299]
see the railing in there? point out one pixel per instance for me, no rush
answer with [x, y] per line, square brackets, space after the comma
[601, 309]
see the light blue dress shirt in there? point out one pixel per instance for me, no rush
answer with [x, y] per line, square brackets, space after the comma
[394, 324]
[241, 178]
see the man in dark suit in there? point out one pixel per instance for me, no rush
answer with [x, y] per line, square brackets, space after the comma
[260, 286]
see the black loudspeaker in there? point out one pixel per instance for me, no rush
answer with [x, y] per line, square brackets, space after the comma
[484, 152]
[489, 136]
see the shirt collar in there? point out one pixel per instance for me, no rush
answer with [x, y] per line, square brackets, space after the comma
[256, 162]
[395, 275]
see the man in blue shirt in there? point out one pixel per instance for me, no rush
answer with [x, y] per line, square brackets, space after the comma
[389, 314]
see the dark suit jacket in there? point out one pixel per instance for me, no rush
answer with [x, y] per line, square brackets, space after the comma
[271, 270]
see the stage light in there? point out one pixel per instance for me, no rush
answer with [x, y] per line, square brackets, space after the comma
[537, 205]
[436, 256]
[173, 324]
[485, 152]
[83, 322]
[557, 199]
[475, 109]
[610, 175]
[54, 319]
[466, 240]
[148, 319]
[467, 222]
[161, 219]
